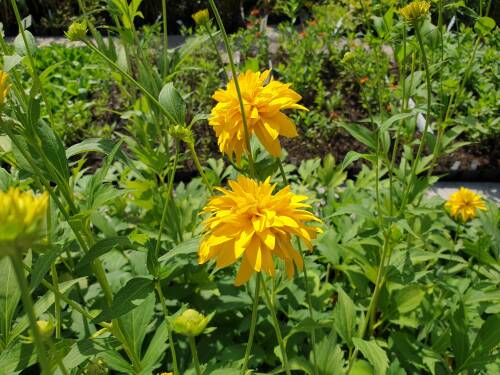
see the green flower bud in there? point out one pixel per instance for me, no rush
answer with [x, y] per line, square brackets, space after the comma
[182, 133]
[191, 323]
[76, 31]
[348, 57]
[96, 367]
[46, 328]
[201, 17]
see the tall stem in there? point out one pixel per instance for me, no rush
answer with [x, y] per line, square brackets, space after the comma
[207, 29]
[165, 34]
[199, 167]
[169, 330]
[194, 353]
[276, 324]
[17, 263]
[306, 282]
[427, 118]
[253, 324]
[236, 85]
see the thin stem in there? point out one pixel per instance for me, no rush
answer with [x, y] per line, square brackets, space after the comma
[169, 330]
[165, 34]
[372, 306]
[199, 167]
[165, 205]
[31, 60]
[253, 323]
[236, 84]
[216, 50]
[427, 119]
[194, 353]
[17, 263]
[306, 282]
[402, 79]
[57, 301]
[272, 310]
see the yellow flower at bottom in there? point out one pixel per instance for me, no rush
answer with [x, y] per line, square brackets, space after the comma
[252, 223]
[263, 103]
[167, 373]
[4, 87]
[22, 217]
[415, 10]
[201, 16]
[464, 204]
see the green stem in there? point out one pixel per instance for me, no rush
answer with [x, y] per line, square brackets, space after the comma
[216, 50]
[57, 301]
[194, 353]
[272, 310]
[236, 84]
[17, 263]
[165, 34]
[253, 323]
[199, 167]
[372, 306]
[306, 282]
[169, 330]
[31, 59]
[165, 205]
[427, 119]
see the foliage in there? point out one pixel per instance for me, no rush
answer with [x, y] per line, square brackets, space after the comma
[394, 285]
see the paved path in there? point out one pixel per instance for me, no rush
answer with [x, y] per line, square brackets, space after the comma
[490, 190]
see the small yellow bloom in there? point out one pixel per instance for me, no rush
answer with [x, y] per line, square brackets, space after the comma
[201, 17]
[263, 103]
[415, 11]
[46, 328]
[191, 323]
[252, 223]
[22, 218]
[76, 31]
[167, 373]
[4, 87]
[464, 204]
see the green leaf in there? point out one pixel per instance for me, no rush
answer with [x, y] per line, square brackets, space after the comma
[20, 47]
[17, 358]
[104, 146]
[459, 335]
[102, 247]
[41, 306]
[374, 354]
[352, 156]
[397, 117]
[135, 323]
[10, 62]
[344, 316]
[486, 340]
[174, 105]
[362, 134]
[187, 247]
[53, 148]
[89, 348]
[128, 298]
[9, 296]
[157, 348]
[42, 266]
[484, 25]
[408, 299]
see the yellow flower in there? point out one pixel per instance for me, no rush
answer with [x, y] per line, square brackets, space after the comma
[4, 87]
[22, 217]
[464, 204]
[253, 223]
[167, 373]
[191, 323]
[415, 11]
[201, 17]
[263, 104]
[76, 31]
[46, 328]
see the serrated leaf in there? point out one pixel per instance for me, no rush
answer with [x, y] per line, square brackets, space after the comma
[128, 298]
[374, 354]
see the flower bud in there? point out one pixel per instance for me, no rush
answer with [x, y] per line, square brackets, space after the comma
[76, 31]
[201, 17]
[4, 87]
[182, 133]
[22, 220]
[348, 57]
[415, 11]
[191, 323]
[46, 328]
[96, 367]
